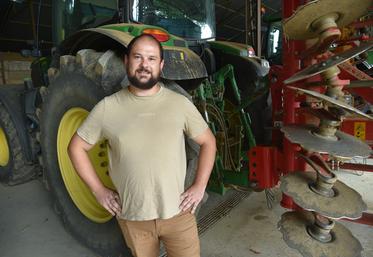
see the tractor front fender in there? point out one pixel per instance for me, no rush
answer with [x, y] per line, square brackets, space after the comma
[181, 63]
[251, 72]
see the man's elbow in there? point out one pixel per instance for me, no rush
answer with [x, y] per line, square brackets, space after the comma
[71, 148]
[210, 141]
[213, 141]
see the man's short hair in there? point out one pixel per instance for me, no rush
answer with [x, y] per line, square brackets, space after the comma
[151, 37]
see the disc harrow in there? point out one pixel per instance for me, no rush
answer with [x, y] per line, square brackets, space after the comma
[322, 199]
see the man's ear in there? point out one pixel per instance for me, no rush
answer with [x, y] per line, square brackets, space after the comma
[162, 63]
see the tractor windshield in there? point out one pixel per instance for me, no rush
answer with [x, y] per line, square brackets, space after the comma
[73, 15]
[190, 19]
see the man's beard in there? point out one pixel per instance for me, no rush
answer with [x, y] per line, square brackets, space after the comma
[151, 82]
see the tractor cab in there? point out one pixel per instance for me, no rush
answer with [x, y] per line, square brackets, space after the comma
[191, 20]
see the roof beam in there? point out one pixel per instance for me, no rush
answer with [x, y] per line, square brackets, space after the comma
[229, 9]
[230, 17]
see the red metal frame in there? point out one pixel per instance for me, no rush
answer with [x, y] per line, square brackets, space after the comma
[290, 60]
[352, 73]
[265, 163]
[360, 128]
[284, 104]
[357, 166]
[366, 219]
[280, 158]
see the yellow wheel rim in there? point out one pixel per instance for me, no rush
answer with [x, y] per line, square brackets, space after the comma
[4, 149]
[78, 190]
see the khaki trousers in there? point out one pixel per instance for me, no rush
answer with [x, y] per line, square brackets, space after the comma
[179, 235]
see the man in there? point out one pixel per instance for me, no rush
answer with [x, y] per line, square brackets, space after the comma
[145, 125]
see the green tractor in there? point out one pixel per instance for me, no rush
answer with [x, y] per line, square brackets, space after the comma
[225, 80]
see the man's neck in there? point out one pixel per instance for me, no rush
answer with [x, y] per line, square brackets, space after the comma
[144, 92]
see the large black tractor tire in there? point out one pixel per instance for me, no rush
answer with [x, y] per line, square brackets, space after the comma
[77, 84]
[80, 82]
[13, 166]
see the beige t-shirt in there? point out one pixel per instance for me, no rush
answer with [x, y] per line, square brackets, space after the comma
[147, 161]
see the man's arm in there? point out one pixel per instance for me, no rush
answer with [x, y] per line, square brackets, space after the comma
[194, 194]
[78, 152]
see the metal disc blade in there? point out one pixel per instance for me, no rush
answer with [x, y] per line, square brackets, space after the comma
[293, 226]
[353, 84]
[346, 147]
[299, 25]
[317, 68]
[332, 101]
[347, 203]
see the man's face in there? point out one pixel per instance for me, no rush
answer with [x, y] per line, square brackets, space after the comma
[144, 64]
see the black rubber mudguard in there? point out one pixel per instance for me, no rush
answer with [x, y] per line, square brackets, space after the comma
[181, 63]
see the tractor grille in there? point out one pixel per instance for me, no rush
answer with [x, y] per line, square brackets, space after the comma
[220, 211]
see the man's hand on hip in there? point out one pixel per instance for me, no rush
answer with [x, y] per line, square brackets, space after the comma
[192, 197]
[194, 194]
[109, 200]
[78, 152]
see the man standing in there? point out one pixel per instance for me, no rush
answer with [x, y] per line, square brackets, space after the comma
[145, 125]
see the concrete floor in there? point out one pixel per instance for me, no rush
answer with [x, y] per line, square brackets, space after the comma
[29, 227]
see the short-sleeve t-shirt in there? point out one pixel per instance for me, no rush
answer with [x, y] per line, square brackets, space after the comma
[146, 148]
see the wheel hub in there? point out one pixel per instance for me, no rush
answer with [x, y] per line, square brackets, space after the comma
[78, 190]
[4, 149]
